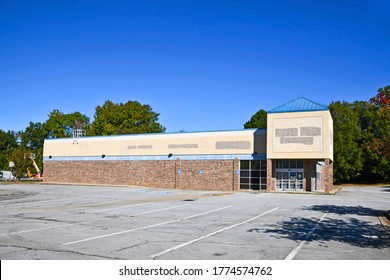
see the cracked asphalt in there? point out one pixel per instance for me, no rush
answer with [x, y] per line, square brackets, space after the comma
[69, 222]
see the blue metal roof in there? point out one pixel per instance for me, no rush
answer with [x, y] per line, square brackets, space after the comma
[300, 104]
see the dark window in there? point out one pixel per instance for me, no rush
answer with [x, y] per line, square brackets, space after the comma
[255, 181]
[244, 180]
[244, 164]
[253, 174]
[293, 163]
[255, 165]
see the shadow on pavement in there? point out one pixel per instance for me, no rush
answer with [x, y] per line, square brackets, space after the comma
[353, 231]
[385, 189]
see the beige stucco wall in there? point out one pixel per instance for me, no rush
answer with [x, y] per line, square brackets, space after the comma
[306, 135]
[201, 143]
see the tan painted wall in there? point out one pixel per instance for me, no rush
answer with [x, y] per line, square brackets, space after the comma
[201, 143]
[306, 135]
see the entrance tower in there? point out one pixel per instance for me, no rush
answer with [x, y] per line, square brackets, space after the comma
[300, 147]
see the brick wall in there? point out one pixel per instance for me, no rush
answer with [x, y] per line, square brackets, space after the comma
[270, 176]
[310, 172]
[328, 175]
[194, 174]
[206, 174]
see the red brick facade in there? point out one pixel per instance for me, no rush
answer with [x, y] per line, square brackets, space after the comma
[180, 174]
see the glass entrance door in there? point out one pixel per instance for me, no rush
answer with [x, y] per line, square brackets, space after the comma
[289, 180]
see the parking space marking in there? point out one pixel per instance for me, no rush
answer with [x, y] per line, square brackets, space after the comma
[54, 208]
[146, 227]
[127, 206]
[23, 212]
[262, 194]
[39, 203]
[102, 203]
[210, 234]
[45, 228]
[296, 250]
[79, 223]
[160, 210]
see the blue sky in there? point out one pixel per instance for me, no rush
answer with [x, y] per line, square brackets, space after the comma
[203, 65]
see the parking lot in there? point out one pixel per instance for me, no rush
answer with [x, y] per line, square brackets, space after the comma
[54, 222]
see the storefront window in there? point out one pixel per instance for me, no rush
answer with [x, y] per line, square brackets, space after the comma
[253, 175]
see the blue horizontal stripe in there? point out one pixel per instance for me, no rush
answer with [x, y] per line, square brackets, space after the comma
[139, 158]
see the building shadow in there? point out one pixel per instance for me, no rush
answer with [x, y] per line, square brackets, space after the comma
[345, 210]
[354, 231]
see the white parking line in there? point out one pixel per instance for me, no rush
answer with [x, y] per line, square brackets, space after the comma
[145, 227]
[295, 251]
[127, 206]
[262, 194]
[102, 203]
[211, 234]
[73, 224]
[36, 204]
[45, 228]
[54, 208]
[159, 210]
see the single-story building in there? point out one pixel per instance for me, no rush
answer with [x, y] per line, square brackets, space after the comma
[294, 153]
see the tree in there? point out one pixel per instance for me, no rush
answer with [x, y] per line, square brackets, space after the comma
[20, 156]
[258, 120]
[7, 145]
[348, 160]
[129, 118]
[32, 138]
[382, 98]
[376, 136]
[60, 125]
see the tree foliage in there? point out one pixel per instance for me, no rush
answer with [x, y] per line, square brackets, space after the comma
[7, 145]
[131, 117]
[22, 161]
[362, 138]
[258, 120]
[376, 137]
[348, 161]
[32, 138]
[128, 118]
[60, 125]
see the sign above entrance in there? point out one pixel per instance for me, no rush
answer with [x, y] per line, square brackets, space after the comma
[297, 134]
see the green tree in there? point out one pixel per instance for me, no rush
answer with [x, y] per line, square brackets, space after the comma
[32, 138]
[258, 120]
[376, 136]
[60, 125]
[7, 144]
[129, 118]
[348, 160]
[20, 156]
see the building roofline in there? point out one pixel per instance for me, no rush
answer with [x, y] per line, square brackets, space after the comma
[320, 107]
[253, 130]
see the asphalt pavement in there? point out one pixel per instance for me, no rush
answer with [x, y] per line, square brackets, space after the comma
[58, 222]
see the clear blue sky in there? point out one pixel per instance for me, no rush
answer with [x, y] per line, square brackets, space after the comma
[203, 65]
